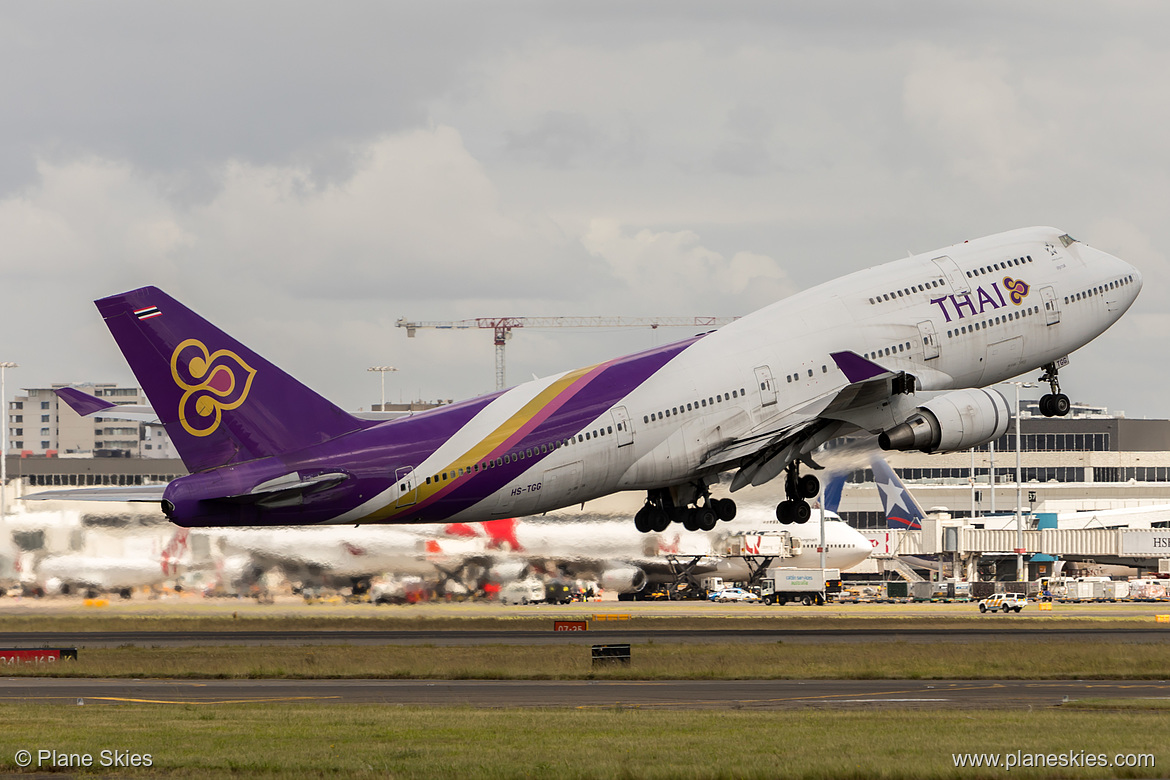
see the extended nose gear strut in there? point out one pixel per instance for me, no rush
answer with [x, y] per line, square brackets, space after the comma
[1056, 403]
[797, 488]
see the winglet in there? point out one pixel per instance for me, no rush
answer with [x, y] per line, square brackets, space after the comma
[855, 367]
[82, 403]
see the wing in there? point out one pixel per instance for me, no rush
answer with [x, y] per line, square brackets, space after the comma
[763, 454]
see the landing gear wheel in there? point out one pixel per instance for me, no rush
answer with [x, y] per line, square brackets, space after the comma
[642, 520]
[809, 486]
[707, 518]
[1060, 405]
[659, 520]
[691, 520]
[793, 512]
[725, 508]
[1056, 403]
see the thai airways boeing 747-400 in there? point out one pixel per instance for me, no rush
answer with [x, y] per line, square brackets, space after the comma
[900, 350]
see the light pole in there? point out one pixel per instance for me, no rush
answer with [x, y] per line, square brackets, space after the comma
[382, 370]
[1019, 488]
[4, 365]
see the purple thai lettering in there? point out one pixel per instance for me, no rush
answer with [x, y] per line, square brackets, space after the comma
[941, 303]
[999, 292]
[959, 303]
[985, 299]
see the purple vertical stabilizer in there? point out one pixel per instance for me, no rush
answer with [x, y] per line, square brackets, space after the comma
[221, 403]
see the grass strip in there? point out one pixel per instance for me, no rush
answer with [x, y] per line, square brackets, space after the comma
[1045, 660]
[297, 741]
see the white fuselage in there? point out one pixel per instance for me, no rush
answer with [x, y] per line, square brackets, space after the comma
[969, 315]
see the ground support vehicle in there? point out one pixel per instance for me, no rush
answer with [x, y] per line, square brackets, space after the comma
[803, 586]
[1005, 602]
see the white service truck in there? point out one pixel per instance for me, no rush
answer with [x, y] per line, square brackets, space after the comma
[803, 586]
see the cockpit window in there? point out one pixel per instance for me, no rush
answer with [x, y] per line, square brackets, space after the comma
[1067, 240]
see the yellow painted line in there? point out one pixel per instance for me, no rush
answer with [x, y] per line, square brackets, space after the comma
[208, 701]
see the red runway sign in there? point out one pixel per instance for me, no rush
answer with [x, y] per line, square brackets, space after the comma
[36, 655]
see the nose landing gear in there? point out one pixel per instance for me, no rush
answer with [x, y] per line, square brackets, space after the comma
[797, 488]
[1056, 403]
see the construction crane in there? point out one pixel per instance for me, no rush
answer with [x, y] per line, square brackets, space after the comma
[502, 328]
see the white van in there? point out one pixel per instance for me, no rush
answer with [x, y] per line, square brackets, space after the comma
[529, 591]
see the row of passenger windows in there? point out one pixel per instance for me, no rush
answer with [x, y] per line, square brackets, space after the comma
[518, 455]
[796, 376]
[999, 266]
[691, 406]
[987, 323]
[887, 351]
[1098, 290]
[896, 294]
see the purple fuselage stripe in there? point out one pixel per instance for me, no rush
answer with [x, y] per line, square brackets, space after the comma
[373, 456]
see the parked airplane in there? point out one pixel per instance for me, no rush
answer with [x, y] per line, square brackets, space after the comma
[68, 572]
[624, 560]
[757, 397]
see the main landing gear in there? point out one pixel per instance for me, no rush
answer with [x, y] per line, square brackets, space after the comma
[701, 514]
[1056, 403]
[797, 488]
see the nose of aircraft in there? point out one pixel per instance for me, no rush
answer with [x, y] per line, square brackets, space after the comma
[1114, 269]
[859, 549]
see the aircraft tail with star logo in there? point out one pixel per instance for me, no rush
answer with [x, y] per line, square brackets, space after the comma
[902, 511]
[221, 403]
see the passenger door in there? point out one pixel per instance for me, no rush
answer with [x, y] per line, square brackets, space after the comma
[1051, 307]
[929, 340]
[767, 386]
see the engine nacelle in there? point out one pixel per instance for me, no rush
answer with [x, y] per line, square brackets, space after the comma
[506, 572]
[952, 422]
[624, 579]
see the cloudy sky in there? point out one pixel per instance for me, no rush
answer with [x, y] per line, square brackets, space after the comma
[304, 174]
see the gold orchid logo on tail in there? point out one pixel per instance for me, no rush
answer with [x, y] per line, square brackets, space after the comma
[212, 384]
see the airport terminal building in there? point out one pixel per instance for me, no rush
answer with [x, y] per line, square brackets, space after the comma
[1090, 460]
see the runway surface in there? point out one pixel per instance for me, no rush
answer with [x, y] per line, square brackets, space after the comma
[455, 637]
[670, 694]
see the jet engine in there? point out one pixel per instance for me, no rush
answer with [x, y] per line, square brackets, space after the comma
[624, 579]
[948, 423]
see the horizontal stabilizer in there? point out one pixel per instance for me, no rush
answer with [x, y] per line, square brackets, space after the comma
[88, 405]
[144, 493]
